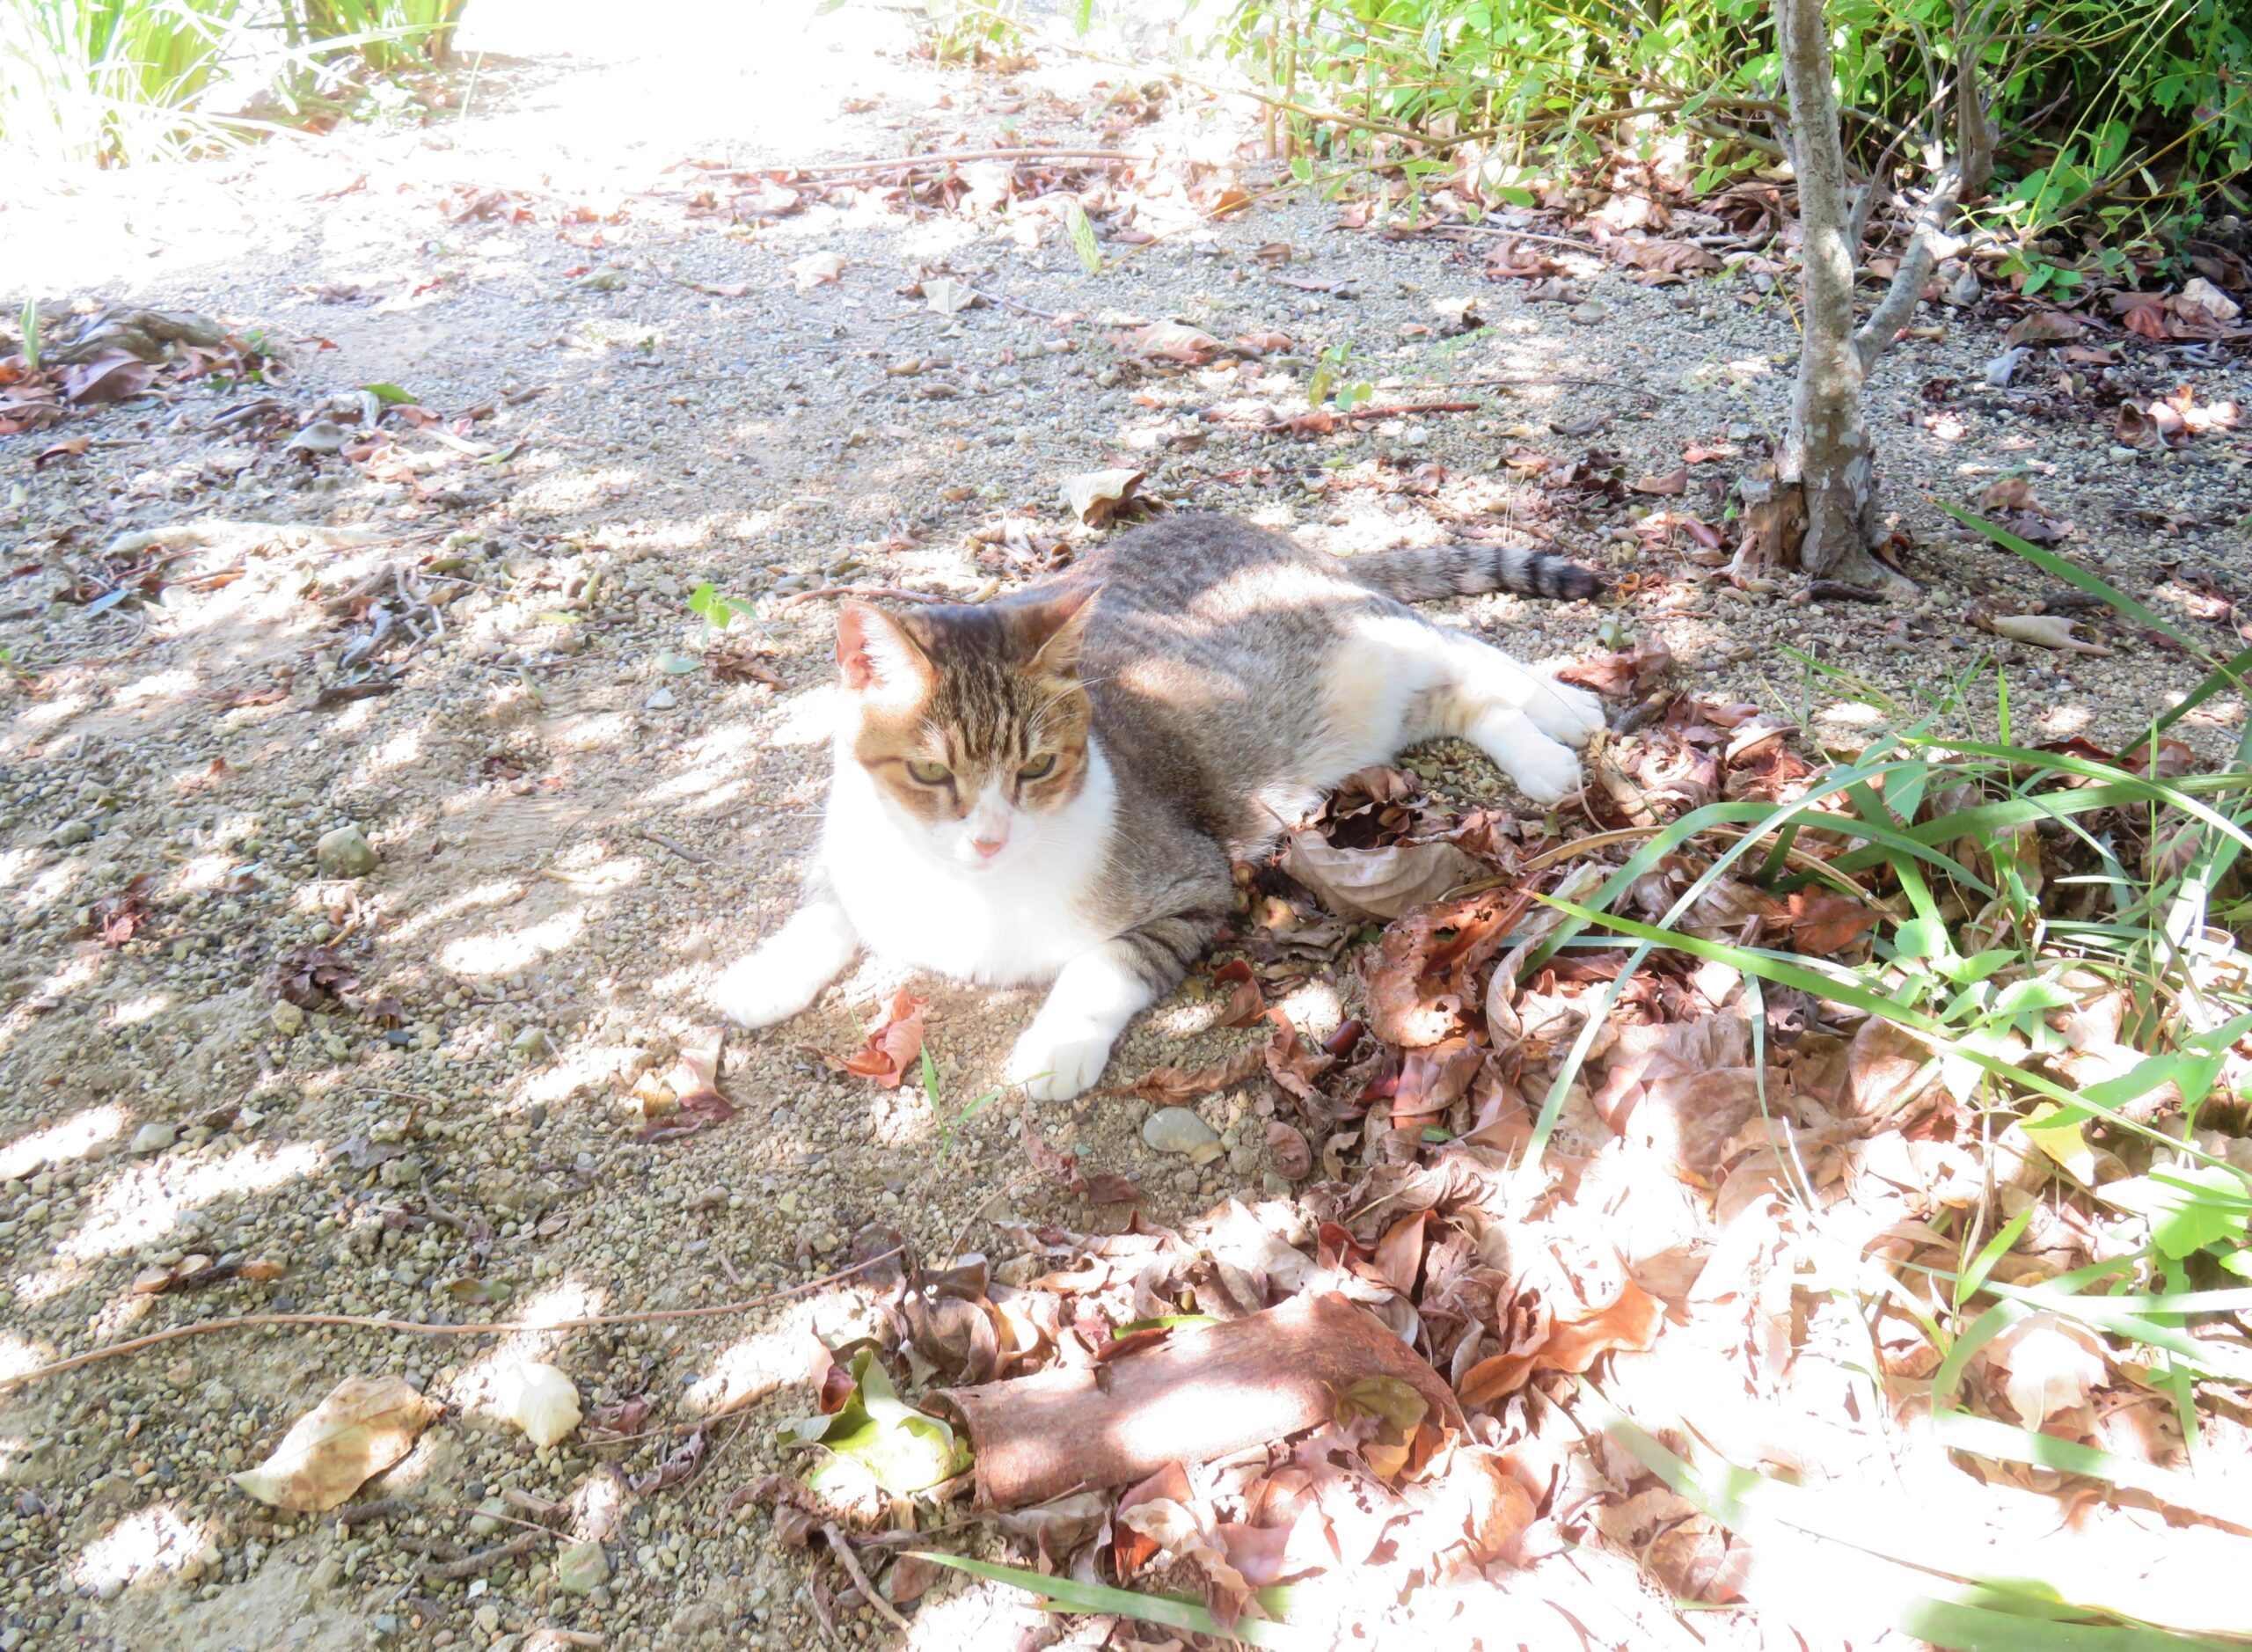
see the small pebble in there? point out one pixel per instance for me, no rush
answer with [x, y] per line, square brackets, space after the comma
[154, 1137]
[345, 853]
[1177, 1131]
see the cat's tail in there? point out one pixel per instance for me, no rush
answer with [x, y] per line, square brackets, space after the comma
[1460, 568]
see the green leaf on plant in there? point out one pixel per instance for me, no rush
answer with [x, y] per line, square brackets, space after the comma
[677, 664]
[1509, 195]
[2189, 1207]
[1080, 228]
[389, 395]
[876, 1435]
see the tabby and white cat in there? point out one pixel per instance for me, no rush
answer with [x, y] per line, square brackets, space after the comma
[1049, 787]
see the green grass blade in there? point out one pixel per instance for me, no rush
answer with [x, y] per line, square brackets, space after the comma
[1982, 1436]
[1174, 1612]
[1963, 1627]
[1789, 970]
[2049, 562]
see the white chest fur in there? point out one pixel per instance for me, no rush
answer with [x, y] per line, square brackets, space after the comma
[1013, 923]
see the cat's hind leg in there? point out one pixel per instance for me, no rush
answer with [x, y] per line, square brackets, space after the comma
[789, 968]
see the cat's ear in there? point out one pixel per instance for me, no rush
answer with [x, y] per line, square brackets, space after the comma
[877, 656]
[1056, 627]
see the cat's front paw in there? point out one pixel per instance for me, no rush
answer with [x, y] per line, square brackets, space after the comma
[1566, 712]
[1545, 771]
[766, 987]
[1055, 1067]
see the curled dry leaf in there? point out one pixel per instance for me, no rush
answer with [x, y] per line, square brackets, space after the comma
[1377, 883]
[1176, 341]
[1419, 975]
[813, 268]
[1824, 924]
[1096, 496]
[1573, 1342]
[949, 297]
[1675, 481]
[538, 1398]
[1168, 1086]
[1246, 1006]
[365, 1425]
[2047, 1365]
[1286, 1146]
[1631, 672]
[895, 1038]
[2044, 631]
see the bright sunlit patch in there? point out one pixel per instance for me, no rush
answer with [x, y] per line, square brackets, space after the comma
[154, 1544]
[204, 872]
[808, 718]
[30, 1289]
[1851, 714]
[581, 1067]
[504, 953]
[16, 862]
[133, 1012]
[156, 686]
[1314, 1009]
[51, 885]
[476, 1387]
[149, 1199]
[402, 748]
[757, 1365]
[56, 1142]
[18, 1358]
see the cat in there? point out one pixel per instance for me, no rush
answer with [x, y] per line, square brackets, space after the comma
[1051, 786]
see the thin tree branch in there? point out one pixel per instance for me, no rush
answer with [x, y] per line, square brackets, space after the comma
[1900, 299]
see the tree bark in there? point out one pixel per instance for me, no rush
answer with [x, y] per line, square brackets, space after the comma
[1826, 457]
[1818, 509]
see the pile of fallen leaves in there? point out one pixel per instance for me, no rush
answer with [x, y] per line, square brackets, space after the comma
[1744, 1224]
[73, 361]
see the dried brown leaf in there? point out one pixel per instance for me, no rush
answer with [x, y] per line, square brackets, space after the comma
[365, 1425]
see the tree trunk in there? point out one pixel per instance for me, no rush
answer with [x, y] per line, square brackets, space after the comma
[1826, 457]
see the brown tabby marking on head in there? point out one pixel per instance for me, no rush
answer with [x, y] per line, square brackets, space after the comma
[953, 699]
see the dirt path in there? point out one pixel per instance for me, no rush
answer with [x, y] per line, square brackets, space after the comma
[577, 822]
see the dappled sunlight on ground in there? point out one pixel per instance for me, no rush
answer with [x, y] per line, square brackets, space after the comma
[147, 1200]
[156, 1543]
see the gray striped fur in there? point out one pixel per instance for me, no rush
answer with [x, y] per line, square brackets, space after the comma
[1460, 568]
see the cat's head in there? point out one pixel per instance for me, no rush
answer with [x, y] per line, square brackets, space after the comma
[971, 722]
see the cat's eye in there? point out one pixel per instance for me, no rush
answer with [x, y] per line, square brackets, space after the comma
[1039, 768]
[928, 773]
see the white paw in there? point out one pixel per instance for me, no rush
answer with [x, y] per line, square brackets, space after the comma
[1563, 712]
[1054, 1067]
[1543, 770]
[766, 987]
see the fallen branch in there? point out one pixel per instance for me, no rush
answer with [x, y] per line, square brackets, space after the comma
[887, 592]
[949, 157]
[845, 1557]
[480, 1560]
[1399, 409]
[690, 855]
[370, 1322]
[359, 1513]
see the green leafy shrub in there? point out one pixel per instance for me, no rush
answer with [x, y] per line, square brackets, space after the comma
[2137, 109]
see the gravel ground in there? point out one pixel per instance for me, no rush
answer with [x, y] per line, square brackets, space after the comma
[572, 838]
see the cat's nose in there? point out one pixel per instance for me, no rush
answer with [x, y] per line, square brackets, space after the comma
[987, 849]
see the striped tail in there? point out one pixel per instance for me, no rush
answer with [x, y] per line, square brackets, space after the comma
[1459, 568]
